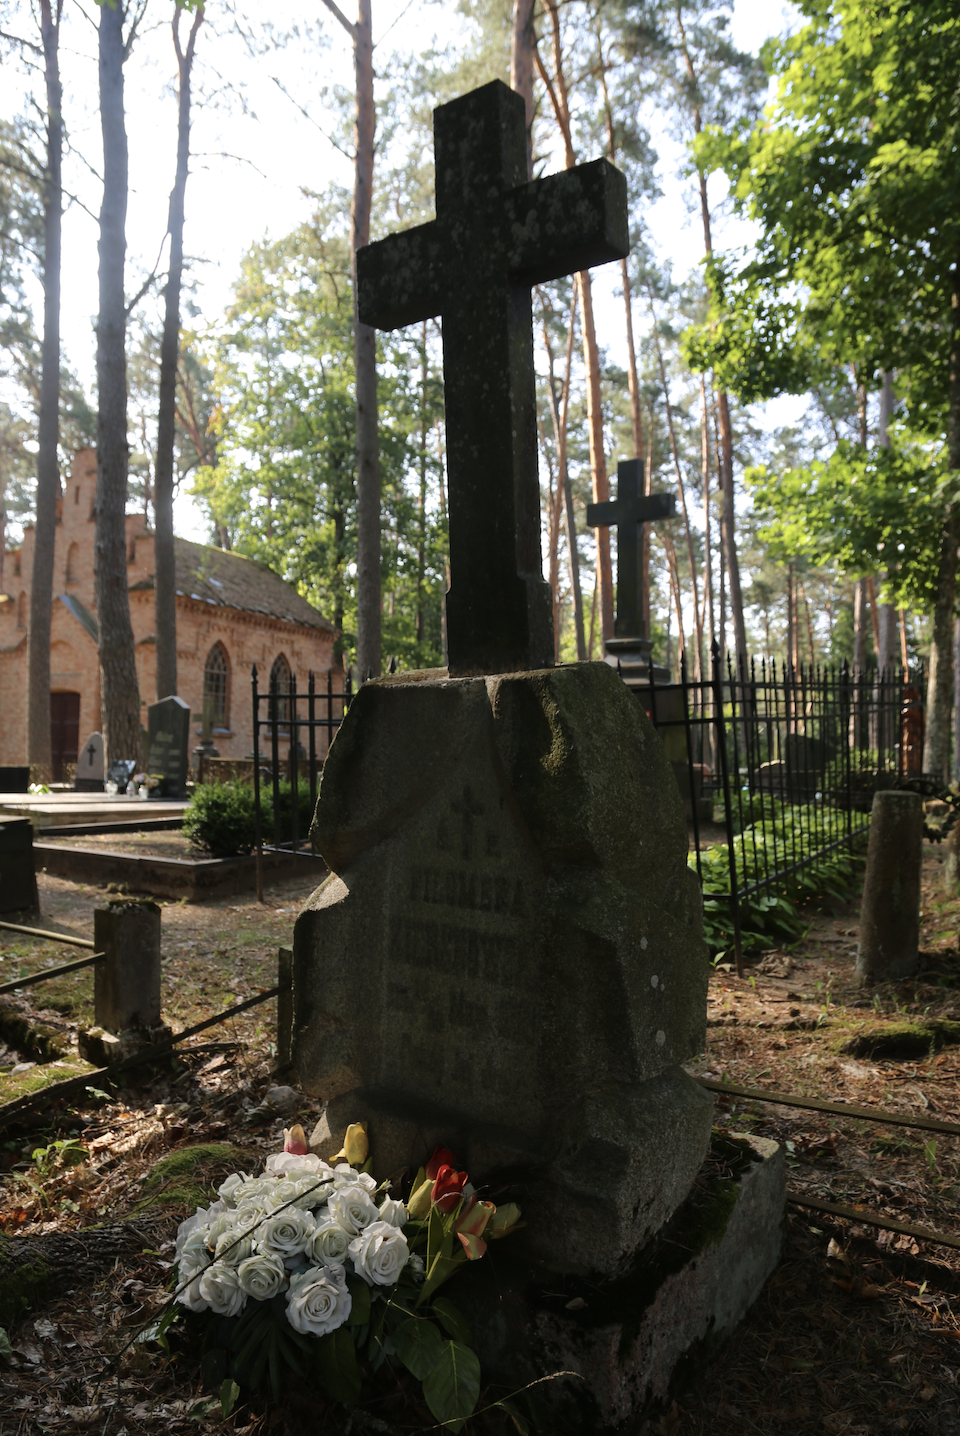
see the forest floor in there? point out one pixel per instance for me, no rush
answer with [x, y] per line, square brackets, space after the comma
[856, 1332]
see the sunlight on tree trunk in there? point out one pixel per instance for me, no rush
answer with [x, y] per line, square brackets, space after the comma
[48, 473]
[165, 594]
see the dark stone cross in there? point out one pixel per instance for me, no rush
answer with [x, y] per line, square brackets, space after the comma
[495, 236]
[629, 511]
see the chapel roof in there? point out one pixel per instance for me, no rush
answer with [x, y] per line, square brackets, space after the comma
[214, 575]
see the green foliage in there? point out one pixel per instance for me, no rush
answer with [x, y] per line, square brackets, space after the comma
[284, 489]
[851, 174]
[866, 510]
[786, 836]
[221, 817]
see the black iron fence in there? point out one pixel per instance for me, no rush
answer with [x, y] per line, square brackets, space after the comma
[292, 731]
[777, 765]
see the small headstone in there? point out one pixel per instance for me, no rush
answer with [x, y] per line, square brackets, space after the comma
[90, 775]
[120, 772]
[18, 883]
[168, 744]
[889, 947]
[126, 993]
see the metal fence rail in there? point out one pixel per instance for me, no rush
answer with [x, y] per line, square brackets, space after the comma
[794, 755]
[285, 717]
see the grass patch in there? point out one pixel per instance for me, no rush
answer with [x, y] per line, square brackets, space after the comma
[190, 1177]
[45, 1075]
[902, 1041]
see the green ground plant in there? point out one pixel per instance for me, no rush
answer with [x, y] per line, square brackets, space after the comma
[221, 817]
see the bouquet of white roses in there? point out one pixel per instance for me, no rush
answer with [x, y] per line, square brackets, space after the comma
[309, 1264]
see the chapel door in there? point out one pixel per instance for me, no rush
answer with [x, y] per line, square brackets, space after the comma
[64, 731]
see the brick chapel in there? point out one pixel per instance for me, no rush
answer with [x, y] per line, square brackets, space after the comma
[232, 613]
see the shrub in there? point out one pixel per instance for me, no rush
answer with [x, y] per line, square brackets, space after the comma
[221, 818]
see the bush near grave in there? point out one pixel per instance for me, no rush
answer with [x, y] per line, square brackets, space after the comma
[221, 817]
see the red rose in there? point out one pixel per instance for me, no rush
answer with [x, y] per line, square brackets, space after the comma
[442, 1157]
[448, 1188]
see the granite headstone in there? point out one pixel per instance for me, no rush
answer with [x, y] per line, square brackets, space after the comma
[120, 772]
[90, 773]
[168, 744]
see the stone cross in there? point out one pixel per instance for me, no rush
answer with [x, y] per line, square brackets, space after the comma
[495, 236]
[629, 511]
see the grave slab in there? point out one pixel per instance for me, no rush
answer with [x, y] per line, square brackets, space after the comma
[508, 956]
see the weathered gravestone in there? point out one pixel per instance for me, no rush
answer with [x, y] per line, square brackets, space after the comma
[507, 956]
[168, 742]
[89, 774]
[120, 772]
[126, 1000]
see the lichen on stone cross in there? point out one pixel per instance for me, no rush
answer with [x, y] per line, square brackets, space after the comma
[495, 236]
[629, 511]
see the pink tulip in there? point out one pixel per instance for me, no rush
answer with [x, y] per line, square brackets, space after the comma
[295, 1140]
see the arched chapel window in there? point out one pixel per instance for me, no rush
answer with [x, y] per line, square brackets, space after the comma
[280, 676]
[22, 611]
[216, 685]
[73, 563]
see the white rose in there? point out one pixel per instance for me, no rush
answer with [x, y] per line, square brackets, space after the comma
[228, 1189]
[193, 1251]
[329, 1244]
[261, 1276]
[353, 1209]
[225, 1222]
[280, 1193]
[283, 1163]
[220, 1286]
[318, 1300]
[393, 1212]
[379, 1254]
[233, 1247]
[190, 1297]
[343, 1175]
[189, 1226]
[312, 1192]
[286, 1234]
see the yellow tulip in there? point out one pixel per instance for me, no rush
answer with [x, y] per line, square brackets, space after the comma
[504, 1220]
[419, 1203]
[356, 1147]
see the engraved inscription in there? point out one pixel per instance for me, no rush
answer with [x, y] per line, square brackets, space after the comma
[477, 892]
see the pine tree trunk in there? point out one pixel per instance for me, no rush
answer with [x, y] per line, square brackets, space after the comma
[53, 1261]
[859, 626]
[48, 472]
[165, 594]
[118, 670]
[365, 365]
[936, 751]
[522, 45]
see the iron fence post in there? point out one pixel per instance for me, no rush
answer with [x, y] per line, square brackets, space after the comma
[727, 807]
[258, 836]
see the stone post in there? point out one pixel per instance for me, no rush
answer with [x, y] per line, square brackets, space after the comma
[127, 981]
[890, 915]
[18, 882]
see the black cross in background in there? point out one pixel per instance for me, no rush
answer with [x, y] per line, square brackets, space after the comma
[495, 236]
[629, 511]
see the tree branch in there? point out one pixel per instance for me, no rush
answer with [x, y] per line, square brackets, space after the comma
[338, 14]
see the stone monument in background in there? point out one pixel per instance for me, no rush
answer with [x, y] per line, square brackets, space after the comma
[89, 775]
[507, 956]
[168, 744]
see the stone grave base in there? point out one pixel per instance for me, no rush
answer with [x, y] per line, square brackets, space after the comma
[97, 1045]
[632, 1341]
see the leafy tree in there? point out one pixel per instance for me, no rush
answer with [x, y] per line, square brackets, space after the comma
[285, 486]
[851, 176]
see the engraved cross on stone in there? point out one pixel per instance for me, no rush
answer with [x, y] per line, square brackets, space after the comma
[91, 751]
[629, 511]
[495, 236]
[467, 809]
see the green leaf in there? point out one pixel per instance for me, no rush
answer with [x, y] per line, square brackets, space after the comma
[337, 1360]
[229, 1392]
[419, 1346]
[360, 1309]
[452, 1320]
[453, 1386]
[6, 1350]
